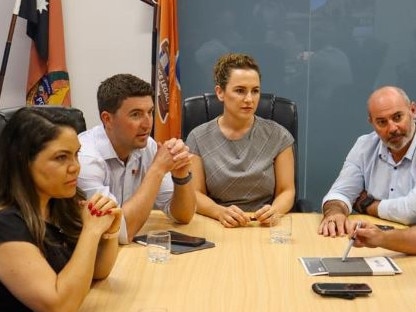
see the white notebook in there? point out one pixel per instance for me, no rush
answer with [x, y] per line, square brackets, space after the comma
[353, 266]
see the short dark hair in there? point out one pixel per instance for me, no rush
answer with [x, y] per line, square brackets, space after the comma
[227, 62]
[114, 90]
[25, 135]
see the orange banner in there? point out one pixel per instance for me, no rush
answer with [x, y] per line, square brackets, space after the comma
[48, 81]
[168, 100]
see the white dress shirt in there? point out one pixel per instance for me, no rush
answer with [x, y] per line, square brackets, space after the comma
[103, 172]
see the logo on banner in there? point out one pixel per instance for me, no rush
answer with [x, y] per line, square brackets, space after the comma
[163, 78]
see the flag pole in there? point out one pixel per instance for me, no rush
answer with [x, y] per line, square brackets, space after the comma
[8, 43]
[153, 3]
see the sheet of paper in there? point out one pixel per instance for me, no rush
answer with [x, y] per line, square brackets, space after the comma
[381, 265]
[313, 266]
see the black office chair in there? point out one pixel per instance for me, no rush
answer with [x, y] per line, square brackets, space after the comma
[3, 122]
[202, 108]
[74, 113]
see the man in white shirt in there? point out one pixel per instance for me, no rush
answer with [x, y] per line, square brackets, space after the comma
[379, 174]
[120, 159]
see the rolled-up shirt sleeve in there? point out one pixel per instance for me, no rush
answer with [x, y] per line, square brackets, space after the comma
[350, 181]
[401, 210]
[164, 197]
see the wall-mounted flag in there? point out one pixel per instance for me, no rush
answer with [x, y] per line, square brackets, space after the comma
[168, 92]
[48, 80]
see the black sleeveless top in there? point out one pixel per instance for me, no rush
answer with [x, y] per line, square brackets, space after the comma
[58, 252]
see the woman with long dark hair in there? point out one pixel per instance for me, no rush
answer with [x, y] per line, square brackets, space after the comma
[53, 241]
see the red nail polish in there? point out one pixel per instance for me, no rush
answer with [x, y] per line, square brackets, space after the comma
[109, 211]
[99, 213]
[93, 211]
[90, 206]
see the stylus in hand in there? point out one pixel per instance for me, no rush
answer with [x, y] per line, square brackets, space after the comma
[351, 242]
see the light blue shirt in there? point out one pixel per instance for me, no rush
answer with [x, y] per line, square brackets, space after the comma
[103, 172]
[370, 166]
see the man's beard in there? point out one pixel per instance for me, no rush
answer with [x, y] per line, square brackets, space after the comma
[406, 139]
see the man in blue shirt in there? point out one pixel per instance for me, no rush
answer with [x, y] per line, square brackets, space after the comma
[379, 174]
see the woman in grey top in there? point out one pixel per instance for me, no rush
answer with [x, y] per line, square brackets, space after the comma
[243, 163]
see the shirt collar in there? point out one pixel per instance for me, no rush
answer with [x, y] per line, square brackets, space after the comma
[104, 145]
[106, 149]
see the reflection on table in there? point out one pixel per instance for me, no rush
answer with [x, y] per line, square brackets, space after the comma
[245, 272]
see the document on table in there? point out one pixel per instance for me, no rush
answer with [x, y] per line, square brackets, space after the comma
[353, 266]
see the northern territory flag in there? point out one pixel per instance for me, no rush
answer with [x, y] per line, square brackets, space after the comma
[48, 80]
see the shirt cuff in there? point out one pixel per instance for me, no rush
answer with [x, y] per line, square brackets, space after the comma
[123, 238]
[337, 197]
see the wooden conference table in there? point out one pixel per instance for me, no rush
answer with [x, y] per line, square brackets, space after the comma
[245, 272]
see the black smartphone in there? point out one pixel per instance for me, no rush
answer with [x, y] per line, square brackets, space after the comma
[385, 227]
[186, 240]
[341, 289]
[175, 238]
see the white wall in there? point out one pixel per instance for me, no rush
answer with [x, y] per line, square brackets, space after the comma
[14, 86]
[103, 37]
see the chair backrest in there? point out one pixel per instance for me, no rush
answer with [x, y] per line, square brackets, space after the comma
[6, 114]
[73, 113]
[202, 108]
[3, 122]
[199, 109]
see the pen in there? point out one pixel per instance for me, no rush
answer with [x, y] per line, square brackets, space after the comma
[351, 242]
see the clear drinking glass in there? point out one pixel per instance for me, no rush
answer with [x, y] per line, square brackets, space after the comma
[158, 246]
[281, 228]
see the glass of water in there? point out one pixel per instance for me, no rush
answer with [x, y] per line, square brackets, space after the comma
[158, 246]
[281, 228]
